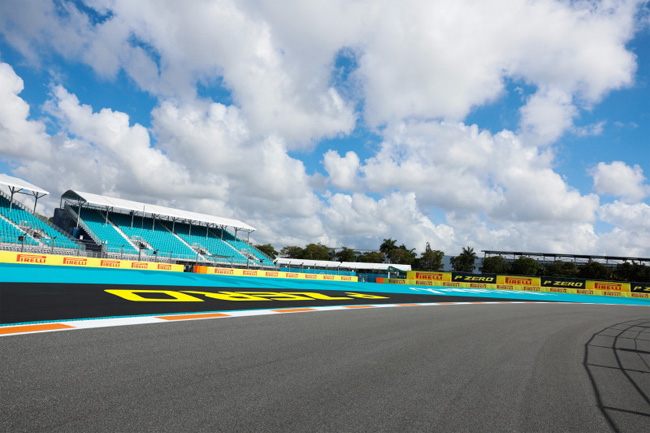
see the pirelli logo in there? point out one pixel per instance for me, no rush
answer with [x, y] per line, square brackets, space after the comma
[250, 273]
[640, 295]
[612, 293]
[136, 265]
[555, 290]
[345, 278]
[75, 261]
[271, 274]
[585, 292]
[110, 263]
[607, 286]
[292, 275]
[328, 277]
[310, 277]
[519, 281]
[428, 276]
[31, 258]
[164, 267]
[224, 271]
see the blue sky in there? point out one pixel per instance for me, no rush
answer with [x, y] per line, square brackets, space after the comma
[448, 122]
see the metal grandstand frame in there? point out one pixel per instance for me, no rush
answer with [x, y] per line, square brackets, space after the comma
[135, 208]
[576, 258]
[19, 186]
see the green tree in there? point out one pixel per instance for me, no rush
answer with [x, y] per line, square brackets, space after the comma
[317, 252]
[372, 257]
[430, 260]
[268, 250]
[291, 252]
[525, 266]
[464, 262]
[495, 265]
[401, 255]
[561, 269]
[632, 272]
[594, 271]
[345, 255]
[388, 245]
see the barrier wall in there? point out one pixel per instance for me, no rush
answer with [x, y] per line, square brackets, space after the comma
[526, 284]
[272, 274]
[87, 262]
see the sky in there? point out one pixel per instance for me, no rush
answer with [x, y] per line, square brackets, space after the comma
[503, 125]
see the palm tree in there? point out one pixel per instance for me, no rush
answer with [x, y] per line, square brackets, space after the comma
[388, 245]
[464, 262]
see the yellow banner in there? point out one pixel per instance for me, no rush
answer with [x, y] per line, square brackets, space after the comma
[518, 281]
[606, 289]
[272, 274]
[86, 262]
[608, 286]
[428, 276]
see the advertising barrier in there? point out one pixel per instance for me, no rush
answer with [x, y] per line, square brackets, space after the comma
[640, 287]
[526, 284]
[567, 283]
[85, 262]
[272, 274]
[424, 277]
[608, 286]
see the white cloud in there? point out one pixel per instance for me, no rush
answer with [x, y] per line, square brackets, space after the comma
[19, 136]
[342, 171]
[630, 236]
[620, 180]
[457, 167]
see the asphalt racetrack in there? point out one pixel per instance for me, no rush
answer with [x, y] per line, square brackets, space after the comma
[448, 367]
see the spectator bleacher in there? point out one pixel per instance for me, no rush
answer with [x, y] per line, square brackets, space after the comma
[19, 222]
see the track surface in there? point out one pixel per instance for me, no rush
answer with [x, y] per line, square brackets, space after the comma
[503, 367]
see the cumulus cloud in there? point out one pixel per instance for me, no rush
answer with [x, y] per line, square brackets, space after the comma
[342, 171]
[630, 236]
[418, 69]
[620, 180]
[19, 136]
[458, 167]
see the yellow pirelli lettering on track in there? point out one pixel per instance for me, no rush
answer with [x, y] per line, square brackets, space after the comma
[141, 295]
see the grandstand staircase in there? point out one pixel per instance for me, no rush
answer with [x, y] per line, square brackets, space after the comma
[200, 250]
[141, 243]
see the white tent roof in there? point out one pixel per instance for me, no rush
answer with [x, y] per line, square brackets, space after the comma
[19, 185]
[375, 266]
[342, 265]
[102, 201]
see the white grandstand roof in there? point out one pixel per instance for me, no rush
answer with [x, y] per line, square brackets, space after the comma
[344, 265]
[19, 185]
[102, 201]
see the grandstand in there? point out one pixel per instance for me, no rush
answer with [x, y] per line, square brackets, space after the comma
[20, 226]
[128, 228]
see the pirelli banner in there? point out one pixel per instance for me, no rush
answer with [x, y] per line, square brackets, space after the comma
[84, 262]
[272, 274]
[428, 278]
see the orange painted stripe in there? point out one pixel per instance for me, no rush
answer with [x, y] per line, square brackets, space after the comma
[33, 328]
[359, 306]
[408, 305]
[194, 316]
[294, 310]
[446, 303]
